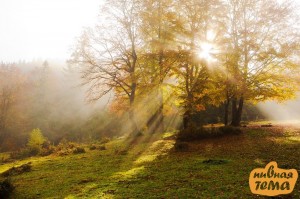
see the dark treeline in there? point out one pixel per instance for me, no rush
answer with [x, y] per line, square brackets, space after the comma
[215, 115]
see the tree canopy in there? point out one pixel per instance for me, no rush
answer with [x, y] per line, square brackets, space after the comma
[202, 52]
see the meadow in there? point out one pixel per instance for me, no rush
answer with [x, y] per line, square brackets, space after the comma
[150, 166]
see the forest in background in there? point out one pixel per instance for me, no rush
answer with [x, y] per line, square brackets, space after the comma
[45, 95]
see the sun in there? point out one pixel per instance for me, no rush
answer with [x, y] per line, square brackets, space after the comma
[206, 51]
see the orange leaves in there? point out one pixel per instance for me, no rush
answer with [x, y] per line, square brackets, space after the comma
[200, 107]
[119, 106]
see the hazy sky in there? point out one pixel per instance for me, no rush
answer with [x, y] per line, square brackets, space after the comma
[41, 29]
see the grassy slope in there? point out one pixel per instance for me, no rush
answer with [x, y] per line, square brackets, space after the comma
[151, 169]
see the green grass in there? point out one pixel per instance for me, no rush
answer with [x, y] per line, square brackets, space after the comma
[151, 169]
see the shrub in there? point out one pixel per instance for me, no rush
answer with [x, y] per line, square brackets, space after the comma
[181, 146]
[17, 170]
[47, 151]
[194, 133]
[65, 147]
[78, 150]
[34, 150]
[47, 148]
[6, 188]
[102, 148]
[99, 147]
[104, 140]
[20, 154]
[35, 142]
[227, 130]
[46, 144]
[93, 147]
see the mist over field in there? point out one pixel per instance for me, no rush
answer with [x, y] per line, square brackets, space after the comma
[285, 111]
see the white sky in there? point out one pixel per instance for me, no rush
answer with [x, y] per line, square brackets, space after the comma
[43, 29]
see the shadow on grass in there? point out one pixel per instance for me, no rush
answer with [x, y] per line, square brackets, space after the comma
[140, 152]
[212, 168]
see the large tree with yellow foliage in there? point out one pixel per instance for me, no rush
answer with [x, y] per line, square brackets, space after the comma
[144, 43]
[261, 52]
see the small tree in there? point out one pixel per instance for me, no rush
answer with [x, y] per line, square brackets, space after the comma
[35, 141]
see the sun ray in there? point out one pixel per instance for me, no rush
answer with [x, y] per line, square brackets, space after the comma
[206, 52]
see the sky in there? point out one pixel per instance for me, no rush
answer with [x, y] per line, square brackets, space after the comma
[43, 29]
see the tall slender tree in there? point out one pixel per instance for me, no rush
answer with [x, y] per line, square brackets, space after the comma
[107, 56]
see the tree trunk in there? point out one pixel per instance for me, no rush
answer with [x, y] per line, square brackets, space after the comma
[226, 112]
[233, 112]
[135, 129]
[237, 111]
[240, 111]
[186, 119]
[131, 114]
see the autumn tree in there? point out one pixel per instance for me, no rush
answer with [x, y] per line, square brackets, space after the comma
[196, 52]
[35, 141]
[140, 46]
[107, 56]
[11, 80]
[12, 116]
[261, 50]
[160, 26]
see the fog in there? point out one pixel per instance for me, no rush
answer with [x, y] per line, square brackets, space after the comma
[49, 96]
[284, 111]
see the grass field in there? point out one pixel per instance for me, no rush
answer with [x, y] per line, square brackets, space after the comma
[150, 168]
